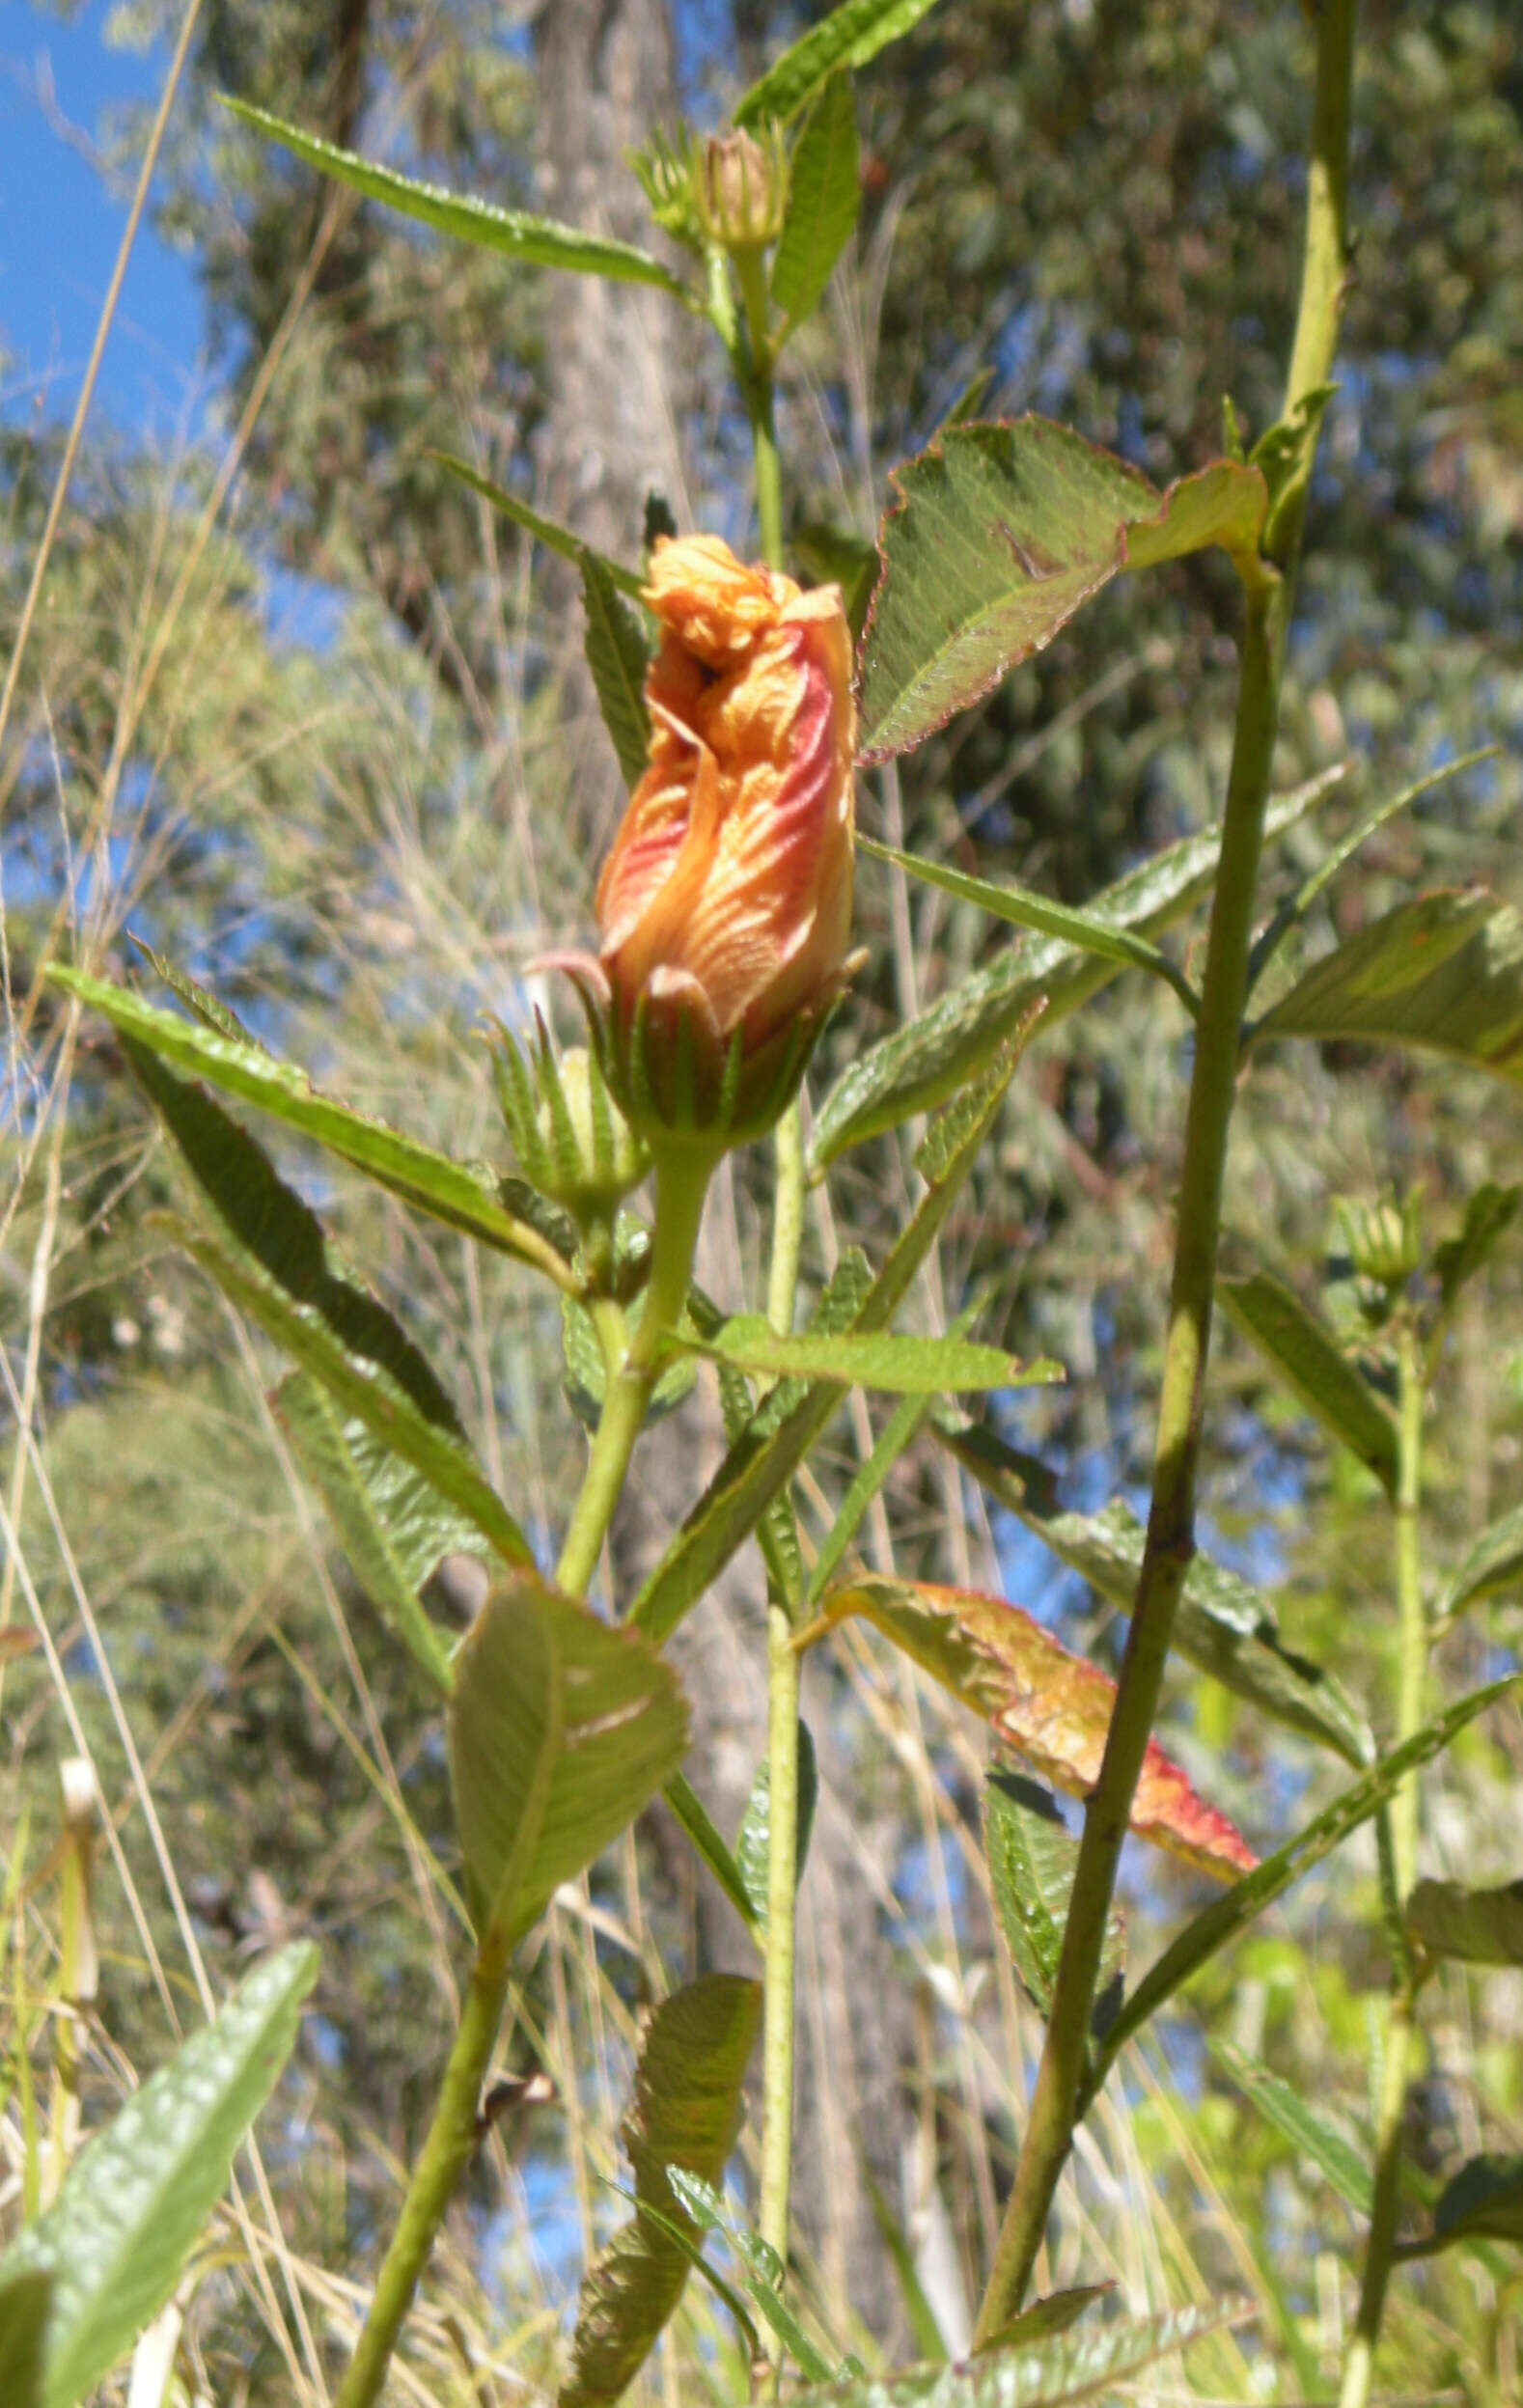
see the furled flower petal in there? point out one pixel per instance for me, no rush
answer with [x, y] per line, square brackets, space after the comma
[725, 905]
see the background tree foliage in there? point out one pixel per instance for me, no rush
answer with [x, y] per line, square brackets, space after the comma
[363, 827]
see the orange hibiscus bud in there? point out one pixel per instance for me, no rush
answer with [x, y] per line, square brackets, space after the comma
[725, 905]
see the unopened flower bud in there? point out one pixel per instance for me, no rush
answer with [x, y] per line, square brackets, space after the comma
[743, 187]
[1384, 1240]
[725, 905]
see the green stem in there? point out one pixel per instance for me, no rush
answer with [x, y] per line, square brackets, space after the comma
[778, 1977]
[1400, 2029]
[1170, 1526]
[680, 1186]
[681, 1181]
[446, 2152]
[754, 372]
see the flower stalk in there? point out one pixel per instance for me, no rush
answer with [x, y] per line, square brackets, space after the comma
[1170, 1526]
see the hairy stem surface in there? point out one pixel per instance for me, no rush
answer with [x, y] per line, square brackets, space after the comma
[1171, 1525]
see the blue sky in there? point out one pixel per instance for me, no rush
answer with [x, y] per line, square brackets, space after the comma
[59, 227]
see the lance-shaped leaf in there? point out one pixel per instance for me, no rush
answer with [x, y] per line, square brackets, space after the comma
[1020, 908]
[1314, 1368]
[1088, 2363]
[903, 1367]
[1052, 1706]
[928, 1059]
[1490, 1214]
[849, 37]
[1483, 2203]
[709, 1841]
[453, 1192]
[618, 656]
[761, 2270]
[546, 531]
[1052, 2314]
[561, 1728]
[999, 534]
[207, 1008]
[1344, 2164]
[1493, 1566]
[1032, 1858]
[753, 1839]
[823, 196]
[767, 1451]
[395, 1526]
[1223, 1626]
[135, 2199]
[1222, 1921]
[282, 1279]
[693, 2061]
[539, 241]
[1475, 1926]
[1444, 973]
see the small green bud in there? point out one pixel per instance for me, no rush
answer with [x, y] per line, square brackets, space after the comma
[1385, 1239]
[742, 188]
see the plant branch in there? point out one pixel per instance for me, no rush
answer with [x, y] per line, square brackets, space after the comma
[1170, 1526]
[1400, 2025]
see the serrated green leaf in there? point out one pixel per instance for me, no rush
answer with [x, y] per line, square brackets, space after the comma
[546, 531]
[761, 2270]
[709, 1841]
[137, 2197]
[618, 656]
[917, 1366]
[1490, 1214]
[1223, 1626]
[1493, 1566]
[393, 1527]
[1346, 2167]
[1222, 1921]
[928, 1059]
[1051, 1705]
[452, 1192]
[784, 1425]
[754, 1839]
[693, 2062]
[1475, 1927]
[1032, 1858]
[1307, 1357]
[539, 241]
[25, 2302]
[207, 1008]
[1087, 2364]
[998, 535]
[823, 196]
[587, 1377]
[561, 1728]
[1444, 973]
[1020, 908]
[849, 37]
[1483, 2203]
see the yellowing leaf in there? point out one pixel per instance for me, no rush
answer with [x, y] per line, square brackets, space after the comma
[1053, 1707]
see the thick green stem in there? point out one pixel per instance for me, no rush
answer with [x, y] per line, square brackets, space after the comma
[681, 1181]
[755, 374]
[1411, 1689]
[446, 2152]
[1170, 1526]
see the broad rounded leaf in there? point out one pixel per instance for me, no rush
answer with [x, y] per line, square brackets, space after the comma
[999, 534]
[136, 2198]
[1052, 1706]
[561, 1728]
[693, 2061]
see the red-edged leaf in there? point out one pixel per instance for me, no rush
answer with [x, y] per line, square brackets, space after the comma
[1052, 1706]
